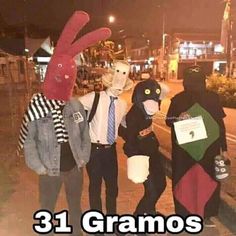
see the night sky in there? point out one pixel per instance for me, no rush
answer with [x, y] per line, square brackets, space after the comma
[135, 16]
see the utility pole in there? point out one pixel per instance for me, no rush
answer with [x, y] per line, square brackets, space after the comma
[229, 42]
[163, 29]
[163, 69]
[26, 52]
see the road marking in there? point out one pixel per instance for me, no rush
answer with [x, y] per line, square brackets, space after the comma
[160, 127]
[161, 113]
[231, 137]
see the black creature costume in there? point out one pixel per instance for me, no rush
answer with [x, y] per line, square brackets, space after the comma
[195, 189]
[141, 140]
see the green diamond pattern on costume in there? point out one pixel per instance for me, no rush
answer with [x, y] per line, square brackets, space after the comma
[198, 148]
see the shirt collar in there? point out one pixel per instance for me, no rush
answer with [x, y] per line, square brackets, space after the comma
[110, 94]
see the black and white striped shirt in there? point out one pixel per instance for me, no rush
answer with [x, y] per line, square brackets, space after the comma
[40, 107]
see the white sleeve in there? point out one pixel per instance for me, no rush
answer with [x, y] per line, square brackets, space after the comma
[87, 100]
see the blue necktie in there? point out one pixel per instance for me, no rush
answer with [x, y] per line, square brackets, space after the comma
[111, 129]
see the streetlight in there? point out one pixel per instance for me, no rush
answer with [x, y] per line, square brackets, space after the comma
[162, 68]
[111, 19]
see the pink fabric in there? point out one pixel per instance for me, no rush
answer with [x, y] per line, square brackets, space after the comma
[61, 72]
[194, 190]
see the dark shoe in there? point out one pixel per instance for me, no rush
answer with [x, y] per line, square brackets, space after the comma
[209, 223]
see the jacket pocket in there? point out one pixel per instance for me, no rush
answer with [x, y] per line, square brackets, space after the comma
[45, 129]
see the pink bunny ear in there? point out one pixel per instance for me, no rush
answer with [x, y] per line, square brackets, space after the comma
[77, 21]
[62, 70]
[88, 40]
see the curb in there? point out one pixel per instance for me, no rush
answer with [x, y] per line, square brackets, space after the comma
[227, 211]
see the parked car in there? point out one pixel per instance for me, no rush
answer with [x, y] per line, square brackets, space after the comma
[145, 75]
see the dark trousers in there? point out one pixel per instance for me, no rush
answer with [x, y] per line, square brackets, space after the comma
[103, 166]
[154, 186]
[49, 188]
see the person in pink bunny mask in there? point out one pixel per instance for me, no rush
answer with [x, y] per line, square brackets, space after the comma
[54, 132]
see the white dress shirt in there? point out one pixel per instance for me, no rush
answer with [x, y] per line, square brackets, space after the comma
[98, 126]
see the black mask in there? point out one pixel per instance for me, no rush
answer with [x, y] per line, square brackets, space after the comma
[146, 90]
[194, 79]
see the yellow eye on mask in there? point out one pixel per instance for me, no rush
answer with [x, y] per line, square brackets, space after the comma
[158, 91]
[147, 91]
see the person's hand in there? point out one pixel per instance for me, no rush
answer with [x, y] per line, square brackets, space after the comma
[184, 116]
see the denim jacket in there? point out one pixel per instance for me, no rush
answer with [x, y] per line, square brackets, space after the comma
[42, 152]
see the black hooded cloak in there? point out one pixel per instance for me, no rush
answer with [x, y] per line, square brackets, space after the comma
[195, 189]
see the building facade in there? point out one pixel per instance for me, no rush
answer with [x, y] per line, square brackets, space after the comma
[202, 49]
